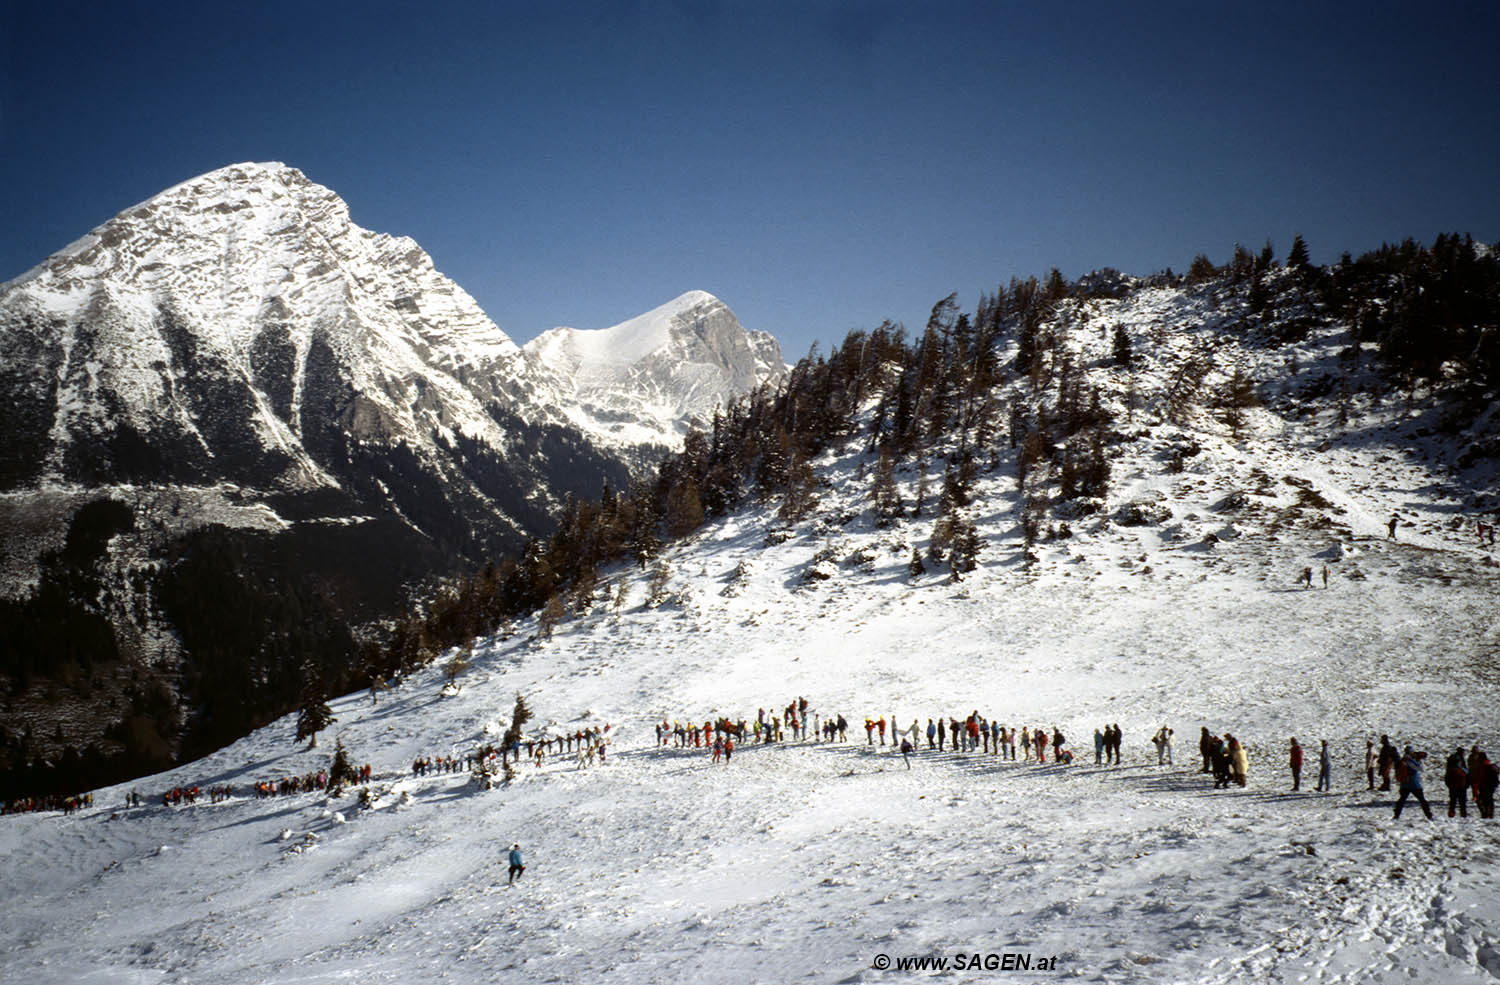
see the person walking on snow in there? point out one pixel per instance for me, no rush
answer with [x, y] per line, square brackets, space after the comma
[1456, 776]
[1485, 778]
[1325, 769]
[1370, 762]
[931, 734]
[516, 865]
[1239, 762]
[1296, 764]
[1391, 527]
[1409, 773]
[1387, 761]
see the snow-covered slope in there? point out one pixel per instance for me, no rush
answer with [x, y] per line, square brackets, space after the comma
[806, 861]
[646, 381]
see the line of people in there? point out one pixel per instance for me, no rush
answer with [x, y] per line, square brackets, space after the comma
[308, 783]
[67, 803]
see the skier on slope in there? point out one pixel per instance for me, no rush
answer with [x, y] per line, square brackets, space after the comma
[516, 865]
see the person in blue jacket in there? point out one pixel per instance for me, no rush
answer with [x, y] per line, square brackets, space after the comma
[1411, 781]
[516, 865]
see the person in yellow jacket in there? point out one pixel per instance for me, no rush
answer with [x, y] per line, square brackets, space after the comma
[1239, 762]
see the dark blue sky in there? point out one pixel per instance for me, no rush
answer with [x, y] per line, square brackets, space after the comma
[819, 166]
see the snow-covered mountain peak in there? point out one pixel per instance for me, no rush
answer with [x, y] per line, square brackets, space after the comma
[631, 341]
[646, 379]
[254, 241]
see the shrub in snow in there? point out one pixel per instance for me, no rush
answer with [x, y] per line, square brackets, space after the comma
[1142, 514]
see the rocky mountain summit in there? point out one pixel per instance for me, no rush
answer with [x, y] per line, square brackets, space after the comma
[235, 370]
[644, 382]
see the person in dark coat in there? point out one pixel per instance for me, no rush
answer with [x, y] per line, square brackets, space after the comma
[1485, 777]
[1205, 746]
[1387, 761]
[1218, 757]
[1456, 776]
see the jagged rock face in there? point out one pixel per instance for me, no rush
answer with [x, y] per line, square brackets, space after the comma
[648, 380]
[223, 329]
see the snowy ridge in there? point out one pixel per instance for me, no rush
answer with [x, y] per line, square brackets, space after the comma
[810, 862]
[646, 381]
[261, 266]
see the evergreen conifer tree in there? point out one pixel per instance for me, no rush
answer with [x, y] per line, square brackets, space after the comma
[315, 715]
[915, 568]
[1122, 351]
[1297, 258]
[342, 771]
[510, 744]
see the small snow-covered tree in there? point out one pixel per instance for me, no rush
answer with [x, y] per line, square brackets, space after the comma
[915, 568]
[458, 664]
[656, 586]
[342, 770]
[315, 715]
[1123, 354]
[510, 744]
[551, 615]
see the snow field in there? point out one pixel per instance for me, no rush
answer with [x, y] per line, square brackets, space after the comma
[804, 862]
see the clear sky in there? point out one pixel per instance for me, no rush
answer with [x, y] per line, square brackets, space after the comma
[818, 166]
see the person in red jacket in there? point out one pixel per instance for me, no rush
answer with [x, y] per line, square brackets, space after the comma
[1296, 764]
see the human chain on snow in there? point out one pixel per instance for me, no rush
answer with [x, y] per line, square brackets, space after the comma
[67, 803]
[1224, 757]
